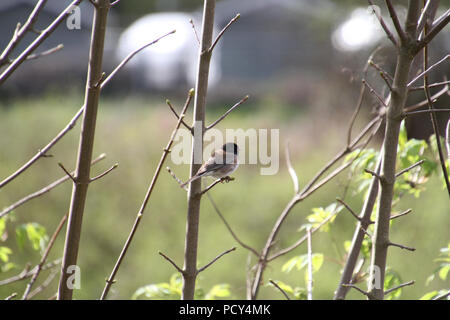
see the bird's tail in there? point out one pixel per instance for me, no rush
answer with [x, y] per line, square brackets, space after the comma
[190, 180]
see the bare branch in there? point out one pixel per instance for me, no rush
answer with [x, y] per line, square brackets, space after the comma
[442, 296]
[279, 288]
[409, 283]
[131, 55]
[425, 111]
[195, 31]
[44, 284]
[67, 172]
[176, 115]
[171, 262]
[37, 42]
[427, 70]
[367, 294]
[215, 259]
[373, 174]
[301, 240]
[395, 20]
[42, 152]
[46, 52]
[20, 32]
[27, 273]
[348, 208]
[43, 190]
[44, 257]
[401, 214]
[139, 215]
[447, 138]
[226, 113]
[409, 168]
[401, 246]
[375, 93]
[104, 173]
[11, 296]
[437, 27]
[384, 26]
[223, 31]
[437, 84]
[176, 178]
[235, 237]
[291, 169]
[434, 98]
[224, 179]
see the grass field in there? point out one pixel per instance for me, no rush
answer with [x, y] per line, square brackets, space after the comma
[132, 132]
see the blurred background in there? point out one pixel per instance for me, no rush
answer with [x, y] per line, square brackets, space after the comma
[300, 61]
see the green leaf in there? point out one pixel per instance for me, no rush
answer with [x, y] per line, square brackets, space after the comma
[218, 291]
[4, 254]
[429, 295]
[444, 271]
[298, 261]
[36, 234]
[7, 267]
[2, 226]
[402, 138]
[300, 293]
[317, 261]
[391, 280]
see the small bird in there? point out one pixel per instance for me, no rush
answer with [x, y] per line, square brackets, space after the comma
[222, 163]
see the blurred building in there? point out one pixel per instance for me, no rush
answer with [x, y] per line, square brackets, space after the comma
[66, 66]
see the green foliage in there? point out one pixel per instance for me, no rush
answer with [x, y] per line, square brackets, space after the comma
[320, 214]
[35, 233]
[444, 265]
[172, 291]
[391, 280]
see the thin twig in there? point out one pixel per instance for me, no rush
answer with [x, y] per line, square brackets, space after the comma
[442, 296]
[348, 208]
[401, 214]
[223, 31]
[434, 98]
[131, 55]
[43, 190]
[27, 273]
[11, 296]
[235, 237]
[409, 283]
[38, 41]
[226, 113]
[171, 262]
[433, 117]
[447, 138]
[104, 173]
[195, 31]
[395, 20]
[437, 27]
[409, 168]
[41, 153]
[425, 111]
[279, 288]
[227, 179]
[291, 169]
[67, 172]
[375, 93]
[176, 178]
[46, 52]
[139, 215]
[383, 25]
[401, 246]
[44, 257]
[176, 115]
[433, 85]
[215, 259]
[44, 284]
[367, 294]
[427, 70]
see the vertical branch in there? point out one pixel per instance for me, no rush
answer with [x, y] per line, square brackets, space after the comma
[193, 213]
[390, 144]
[82, 176]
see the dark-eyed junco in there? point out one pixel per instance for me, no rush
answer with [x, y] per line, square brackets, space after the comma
[222, 163]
